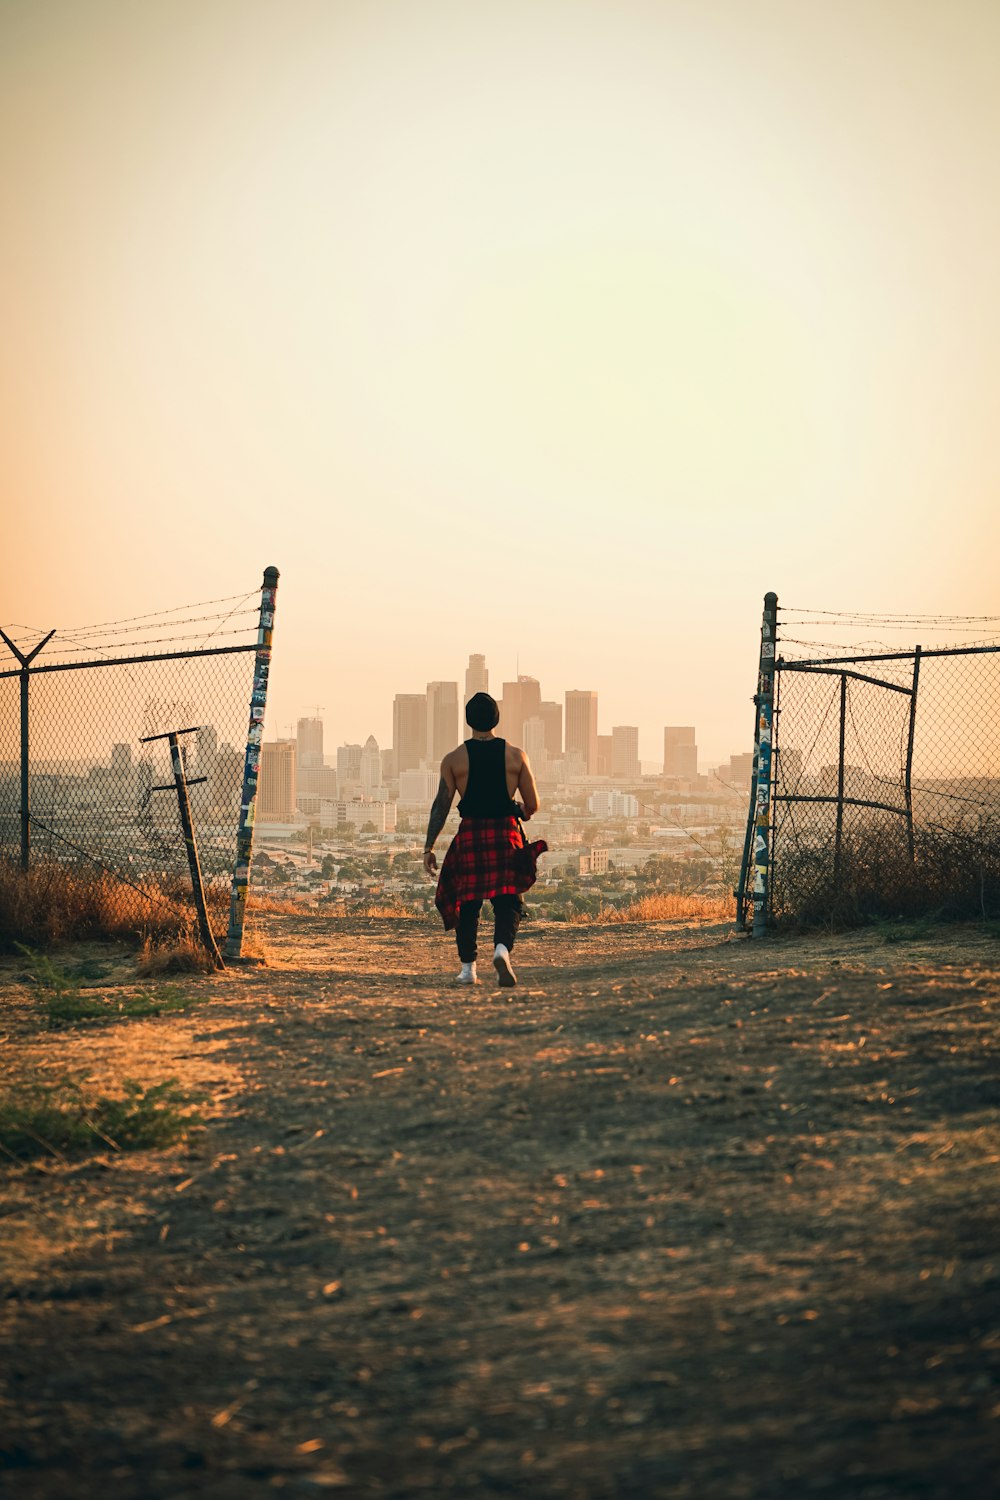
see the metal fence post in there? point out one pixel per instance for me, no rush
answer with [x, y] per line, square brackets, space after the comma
[839, 835]
[908, 783]
[25, 674]
[251, 765]
[181, 784]
[765, 725]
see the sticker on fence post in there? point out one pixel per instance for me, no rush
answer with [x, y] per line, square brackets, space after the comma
[765, 727]
[251, 767]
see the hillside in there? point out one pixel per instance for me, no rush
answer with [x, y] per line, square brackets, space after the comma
[681, 1215]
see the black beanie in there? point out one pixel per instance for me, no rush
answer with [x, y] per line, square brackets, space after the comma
[481, 712]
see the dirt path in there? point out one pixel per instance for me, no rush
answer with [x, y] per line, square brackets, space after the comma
[681, 1217]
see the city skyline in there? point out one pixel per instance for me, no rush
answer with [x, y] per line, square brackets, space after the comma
[521, 702]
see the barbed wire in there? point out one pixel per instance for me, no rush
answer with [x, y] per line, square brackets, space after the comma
[237, 609]
[161, 613]
[895, 617]
[84, 635]
[108, 649]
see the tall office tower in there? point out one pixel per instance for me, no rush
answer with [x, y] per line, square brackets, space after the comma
[511, 723]
[371, 767]
[390, 765]
[348, 764]
[276, 789]
[604, 755]
[409, 730]
[207, 741]
[309, 736]
[477, 678]
[531, 699]
[121, 755]
[625, 751]
[581, 727]
[680, 753]
[551, 715]
[522, 700]
[533, 743]
[442, 719]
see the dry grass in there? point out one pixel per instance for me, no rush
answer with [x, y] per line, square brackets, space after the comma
[388, 909]
[953, 874]
[666, 907]
[182, 953]
[52, 903]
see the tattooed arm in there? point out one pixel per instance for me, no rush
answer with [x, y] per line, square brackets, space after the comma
[440, 809]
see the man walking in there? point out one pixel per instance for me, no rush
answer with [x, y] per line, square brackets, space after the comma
[489, 858]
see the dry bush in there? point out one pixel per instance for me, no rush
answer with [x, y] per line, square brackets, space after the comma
[667, 906]
[278, 905]
[954, 874]
[182, 953]
[388, 909]
[52, 903]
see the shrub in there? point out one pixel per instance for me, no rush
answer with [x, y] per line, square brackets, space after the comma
[668, 906]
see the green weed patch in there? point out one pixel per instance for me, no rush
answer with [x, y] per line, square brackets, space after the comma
[62, 1119]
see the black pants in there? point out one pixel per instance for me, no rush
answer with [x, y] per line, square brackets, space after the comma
[506, 919]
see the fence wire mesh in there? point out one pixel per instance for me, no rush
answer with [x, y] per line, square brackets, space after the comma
[886, 797]
[93, 803]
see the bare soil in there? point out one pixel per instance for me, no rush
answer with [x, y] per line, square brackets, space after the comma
[682, 1215]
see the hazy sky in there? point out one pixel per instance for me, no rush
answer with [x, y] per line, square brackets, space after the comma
[559, 330]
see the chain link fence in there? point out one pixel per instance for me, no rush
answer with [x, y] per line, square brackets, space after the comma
[92, 697]
[886, 786]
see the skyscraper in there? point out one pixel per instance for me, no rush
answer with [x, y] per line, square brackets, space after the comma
[276, 789]
[533, 743]
[409, 730]
[522, 700]
[604, 755]
[551, 715]
[680, 753]
[207, 742]
[309, 738]
[625, 750]
[442, 719]
[371, 767]
[581, 727]
[348, 764]
[477, 678]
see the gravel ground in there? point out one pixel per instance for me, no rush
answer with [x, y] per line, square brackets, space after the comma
[682, 1215]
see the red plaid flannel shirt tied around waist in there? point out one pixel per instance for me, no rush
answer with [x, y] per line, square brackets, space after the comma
[487, 857]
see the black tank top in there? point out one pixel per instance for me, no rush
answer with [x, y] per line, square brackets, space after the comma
[486, 794]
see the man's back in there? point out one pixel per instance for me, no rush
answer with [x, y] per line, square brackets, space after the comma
[457, 761]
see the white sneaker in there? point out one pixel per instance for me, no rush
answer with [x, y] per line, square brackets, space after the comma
[468, 975]
[506, 978]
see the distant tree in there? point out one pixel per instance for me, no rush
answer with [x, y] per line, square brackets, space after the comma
[368, 828]
[328, 868]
